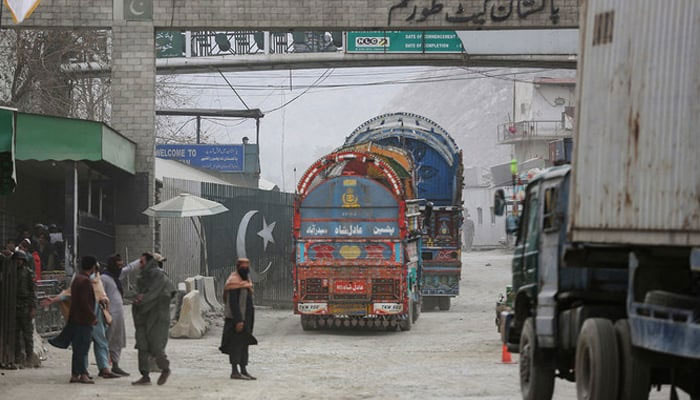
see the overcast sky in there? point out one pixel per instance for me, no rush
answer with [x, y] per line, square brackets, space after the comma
[326, 105]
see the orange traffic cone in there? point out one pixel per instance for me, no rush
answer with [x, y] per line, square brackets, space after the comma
[505, 355]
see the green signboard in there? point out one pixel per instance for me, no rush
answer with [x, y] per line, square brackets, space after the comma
[404, 42]
[170, 44]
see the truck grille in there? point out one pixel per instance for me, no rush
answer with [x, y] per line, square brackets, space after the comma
[313, 289]
[386, 289]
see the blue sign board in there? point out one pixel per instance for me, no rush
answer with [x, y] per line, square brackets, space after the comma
[350, 207]
[217, 157]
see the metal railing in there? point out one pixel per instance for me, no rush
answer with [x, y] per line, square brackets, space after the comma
[219, 43]
[510, 132]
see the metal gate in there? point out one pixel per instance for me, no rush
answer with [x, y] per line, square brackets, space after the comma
[258, 226]
[8, 296]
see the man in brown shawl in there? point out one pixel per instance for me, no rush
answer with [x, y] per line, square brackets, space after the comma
[240, 317]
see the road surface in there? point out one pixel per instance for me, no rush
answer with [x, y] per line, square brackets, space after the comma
[447, 355]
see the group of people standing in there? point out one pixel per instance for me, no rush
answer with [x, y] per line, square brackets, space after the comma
[93, 308]
[95, 314]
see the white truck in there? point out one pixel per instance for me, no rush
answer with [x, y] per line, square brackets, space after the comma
[635, 191]
[606, 272]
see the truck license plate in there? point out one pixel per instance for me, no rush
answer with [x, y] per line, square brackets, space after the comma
[348, 309]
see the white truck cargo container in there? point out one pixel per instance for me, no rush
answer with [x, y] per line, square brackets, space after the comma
[606, 270]
[636, 171]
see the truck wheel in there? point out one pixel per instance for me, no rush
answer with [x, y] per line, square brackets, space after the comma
[536, 376]
[597, 361]
[406, 323]
[635, 374]
[415, 311]
[428, 304]
[308, 323]
[673, 300]
[444, 303]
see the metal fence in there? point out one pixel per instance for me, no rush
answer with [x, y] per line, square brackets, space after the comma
[180, 243]
[257, 226]
[514, 131]
[48, 320]
[8, 303]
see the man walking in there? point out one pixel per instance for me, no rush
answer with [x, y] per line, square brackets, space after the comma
[116, 333]
[103, 318]
[152, 318]
[26, 310]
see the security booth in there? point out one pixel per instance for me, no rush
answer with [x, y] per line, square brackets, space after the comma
[67, 174]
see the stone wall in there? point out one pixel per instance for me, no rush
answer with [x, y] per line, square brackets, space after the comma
[314, 14]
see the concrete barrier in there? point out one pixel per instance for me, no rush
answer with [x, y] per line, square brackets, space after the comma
[190, 325]
[199, 286]
[210, 293]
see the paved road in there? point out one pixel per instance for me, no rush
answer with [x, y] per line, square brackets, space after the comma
[447, 355]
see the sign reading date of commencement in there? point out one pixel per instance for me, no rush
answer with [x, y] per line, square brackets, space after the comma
[404, 42]
[216, 157]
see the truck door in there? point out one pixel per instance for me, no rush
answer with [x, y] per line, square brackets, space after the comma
[526, 249]
[531, 242]
[548, 272]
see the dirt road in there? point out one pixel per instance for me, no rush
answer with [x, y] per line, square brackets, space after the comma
[447, 355]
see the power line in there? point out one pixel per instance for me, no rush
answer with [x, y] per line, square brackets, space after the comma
[234, 89]
[317, 82]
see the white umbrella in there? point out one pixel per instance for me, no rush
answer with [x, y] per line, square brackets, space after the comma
[187, 205]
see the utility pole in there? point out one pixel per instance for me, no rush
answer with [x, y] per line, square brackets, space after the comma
[199, 127]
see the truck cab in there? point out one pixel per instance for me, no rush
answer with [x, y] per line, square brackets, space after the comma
[550, 300]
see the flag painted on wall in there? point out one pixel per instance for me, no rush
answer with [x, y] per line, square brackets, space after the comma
[21, 9]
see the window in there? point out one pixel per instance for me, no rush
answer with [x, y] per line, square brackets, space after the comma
[533, 226]
[551, 198]
[493, 217]
[480, 215]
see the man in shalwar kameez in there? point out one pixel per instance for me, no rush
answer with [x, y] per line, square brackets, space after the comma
[151, 313]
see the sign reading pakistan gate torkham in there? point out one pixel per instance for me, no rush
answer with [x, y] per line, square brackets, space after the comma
[404, 42]
[217, 157]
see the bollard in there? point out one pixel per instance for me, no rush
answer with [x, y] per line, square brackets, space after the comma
[505, 355]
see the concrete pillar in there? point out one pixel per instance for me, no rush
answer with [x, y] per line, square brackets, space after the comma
[133, 115]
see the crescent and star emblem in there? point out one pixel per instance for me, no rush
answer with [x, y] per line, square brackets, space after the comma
[265, 234]
[137, 7]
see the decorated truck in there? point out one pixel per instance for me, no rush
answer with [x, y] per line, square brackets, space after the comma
[357, 241]
[438, 172]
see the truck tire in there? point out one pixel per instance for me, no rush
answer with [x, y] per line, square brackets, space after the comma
[444, 303]
[428, 304]
[406, 323]
[415, 311]
[673, 300]
[635, 373]
[597, 361]
[536, 375]
[308, 323]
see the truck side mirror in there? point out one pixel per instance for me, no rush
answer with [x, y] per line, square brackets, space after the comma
[428, 212]
[499, 202]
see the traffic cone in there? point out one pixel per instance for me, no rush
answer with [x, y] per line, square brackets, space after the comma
[505, 355]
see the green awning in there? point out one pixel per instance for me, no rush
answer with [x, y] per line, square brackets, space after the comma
[44, 138]
[7, 161]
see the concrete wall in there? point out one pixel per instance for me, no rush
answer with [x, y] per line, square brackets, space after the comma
[537, 102]
[312, 14]
[486, 233]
